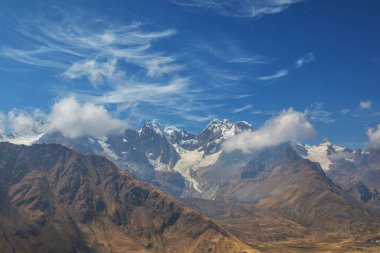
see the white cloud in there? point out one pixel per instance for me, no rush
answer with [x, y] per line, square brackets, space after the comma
[317, 113]
[241, 109]
[288, 125]
[140, 92]
[96, 72]
[374, 136]
[70, 117]
[365, 105]
[346, 111]
[2, 123]
[98, 51]
[23, 123]
[278, 74]
[74, 119]
[304, 60]
[239, 8]
[162, 65]
[198, 118]
[299, 63]
[138, 74]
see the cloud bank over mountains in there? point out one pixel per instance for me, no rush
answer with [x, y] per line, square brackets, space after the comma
[70, 117]
[73, 119]
[288, 125]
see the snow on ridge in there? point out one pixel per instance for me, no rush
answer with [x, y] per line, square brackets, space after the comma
[321, 153]
[228, 129]
[192, 161]
[158, 166]
[106, 148]
[21, 140]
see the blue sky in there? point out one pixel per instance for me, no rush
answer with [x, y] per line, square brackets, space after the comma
[186, 62]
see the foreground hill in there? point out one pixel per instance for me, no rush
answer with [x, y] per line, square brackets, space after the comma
[279, 180]
[56, 200]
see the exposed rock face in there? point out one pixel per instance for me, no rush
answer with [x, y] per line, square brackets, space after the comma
[152, 153]
[279, 180]
[156, 145]
[360, 176]
[56, 200]
[217, 131]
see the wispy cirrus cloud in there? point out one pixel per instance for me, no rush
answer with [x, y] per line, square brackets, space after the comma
[140, 92]
[97, 72]
[239, 8]
[124, 67]
[299, 63]
[199, 118]
[119, 62]
[241, 109]
[162, 65]
[228, 51]
[278, 74]
[310, 57]
[316, 112]
[81, 51]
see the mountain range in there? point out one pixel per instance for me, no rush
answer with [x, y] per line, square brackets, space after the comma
[287, 192]
[56, 200]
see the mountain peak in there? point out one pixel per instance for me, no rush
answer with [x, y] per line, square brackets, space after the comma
[226, 129]
[326, 142]
[154, 125]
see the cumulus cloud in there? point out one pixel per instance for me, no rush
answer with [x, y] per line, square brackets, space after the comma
[23, 123]
[68, 116]
[74, 119]
[374, 136]
[288, 125]
[365, 105]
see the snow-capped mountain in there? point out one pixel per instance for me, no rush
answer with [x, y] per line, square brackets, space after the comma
[176, 160]
[217, 131]
[20, 139]
[287, 179]
[165, 156]
[326, 153]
